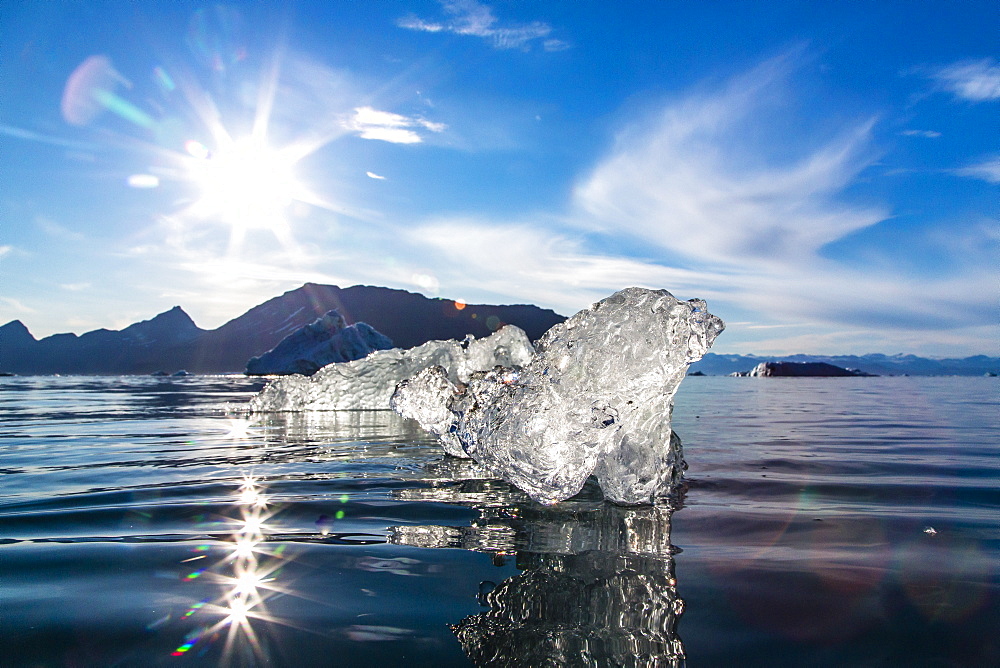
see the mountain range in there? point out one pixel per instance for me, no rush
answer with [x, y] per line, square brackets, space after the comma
[172, 340]
[875, 364]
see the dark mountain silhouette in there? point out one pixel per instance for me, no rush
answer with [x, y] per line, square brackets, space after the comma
[714, 364]
[99, 351]
[171, 340]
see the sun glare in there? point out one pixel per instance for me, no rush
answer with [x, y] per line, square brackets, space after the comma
[246, 184]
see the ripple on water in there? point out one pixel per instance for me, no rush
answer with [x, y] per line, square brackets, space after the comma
[833, 521]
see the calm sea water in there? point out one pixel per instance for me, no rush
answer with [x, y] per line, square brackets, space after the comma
[825, 522]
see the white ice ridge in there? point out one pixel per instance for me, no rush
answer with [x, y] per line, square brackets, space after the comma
[369, 382]
[596, 398]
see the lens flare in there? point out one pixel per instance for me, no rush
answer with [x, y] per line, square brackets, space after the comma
[163, 78]
[195, 608]
[197, 150]
[94, 76]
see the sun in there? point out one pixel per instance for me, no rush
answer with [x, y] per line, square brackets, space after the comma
[245, 183]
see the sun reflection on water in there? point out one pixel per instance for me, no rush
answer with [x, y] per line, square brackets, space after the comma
[239, 429]
[247, 575]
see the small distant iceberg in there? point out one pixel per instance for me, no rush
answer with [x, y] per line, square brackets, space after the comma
[367, 384]
[326, 340]
[800, 370]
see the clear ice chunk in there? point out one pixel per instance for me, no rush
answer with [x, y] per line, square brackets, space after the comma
[596, 399]
[368, 383]
[425, 398]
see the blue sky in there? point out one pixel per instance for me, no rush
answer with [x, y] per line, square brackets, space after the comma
[826, 175]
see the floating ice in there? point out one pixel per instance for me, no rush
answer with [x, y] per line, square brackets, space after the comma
[324, 341]
[596, 398]
[368, 383]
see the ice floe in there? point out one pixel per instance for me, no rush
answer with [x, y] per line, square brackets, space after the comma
[368, 383]
[595, 399]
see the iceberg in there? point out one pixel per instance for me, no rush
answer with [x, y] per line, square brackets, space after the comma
[324, 341]
[595, 399]
[368, 383]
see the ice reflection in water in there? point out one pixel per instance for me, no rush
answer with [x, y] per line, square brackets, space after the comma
[596, 586]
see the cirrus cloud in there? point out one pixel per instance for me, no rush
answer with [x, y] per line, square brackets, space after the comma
[693, 181]
[467, 17]
[975, 81]
[988, 170]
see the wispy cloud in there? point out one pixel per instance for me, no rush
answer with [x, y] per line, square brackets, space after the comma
[6, 250]
[56, 230]
[873, 310]
[16, 305]
[975, 81]
[530, 261]
[75, 287]
[695, 183]
[926, 134]
[988, 170]
[467, 17]
[214, 288]
[373, 175]
[370, 123]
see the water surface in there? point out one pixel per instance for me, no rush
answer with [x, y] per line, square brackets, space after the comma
[144, 521]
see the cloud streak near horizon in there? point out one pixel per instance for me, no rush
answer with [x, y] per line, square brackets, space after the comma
[988, 170]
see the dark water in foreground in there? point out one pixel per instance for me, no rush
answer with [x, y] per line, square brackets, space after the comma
[826, 522]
